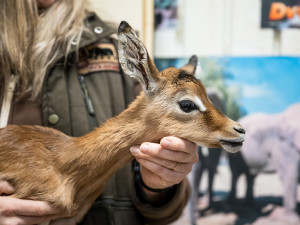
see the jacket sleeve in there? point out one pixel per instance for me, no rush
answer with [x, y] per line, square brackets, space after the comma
[166, 213]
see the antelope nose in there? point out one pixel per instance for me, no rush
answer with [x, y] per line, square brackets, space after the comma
[239, 130]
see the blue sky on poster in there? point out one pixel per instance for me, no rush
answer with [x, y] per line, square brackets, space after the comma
[267, 84]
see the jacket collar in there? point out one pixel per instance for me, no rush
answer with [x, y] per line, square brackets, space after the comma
[94, 30]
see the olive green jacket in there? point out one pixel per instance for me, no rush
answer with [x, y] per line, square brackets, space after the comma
[82, 94]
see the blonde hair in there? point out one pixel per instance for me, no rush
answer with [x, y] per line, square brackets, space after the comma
[31, 40]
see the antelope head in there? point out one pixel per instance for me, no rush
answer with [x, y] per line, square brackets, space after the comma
[178, 103]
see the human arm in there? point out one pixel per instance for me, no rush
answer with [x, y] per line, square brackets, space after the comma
[157, 162]
[25, 212]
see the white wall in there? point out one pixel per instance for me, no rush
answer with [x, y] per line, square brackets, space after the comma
[224, 27]
[116, 11]
[138, 13]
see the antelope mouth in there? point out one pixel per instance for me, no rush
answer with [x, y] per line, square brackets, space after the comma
[231, 146]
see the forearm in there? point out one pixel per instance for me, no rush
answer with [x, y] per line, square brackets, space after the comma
[163, 169]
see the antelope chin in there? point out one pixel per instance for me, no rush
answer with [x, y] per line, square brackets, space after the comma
[231, 146]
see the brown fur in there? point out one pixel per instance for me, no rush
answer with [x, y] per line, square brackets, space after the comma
[45, 164]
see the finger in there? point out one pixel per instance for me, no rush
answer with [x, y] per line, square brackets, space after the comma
[163, 162]
[171, 165]
[33, 219]
[156, 150]
[153, 180]
[177, 144]
[169, 177]
[25, 220]
[5, 188]
[33, 208]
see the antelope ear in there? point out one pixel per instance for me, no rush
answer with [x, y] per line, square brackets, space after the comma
[134, 58]
[191, 66]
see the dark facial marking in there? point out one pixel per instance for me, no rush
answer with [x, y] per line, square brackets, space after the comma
[183, 76]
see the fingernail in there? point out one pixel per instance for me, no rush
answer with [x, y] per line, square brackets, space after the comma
[145, 148]
[165, 142]
[134, 150]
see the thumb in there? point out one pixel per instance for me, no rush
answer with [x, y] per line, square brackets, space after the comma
[6, 188]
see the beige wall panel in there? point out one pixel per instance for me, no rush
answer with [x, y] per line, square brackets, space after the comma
[224, 27]
[138, 13]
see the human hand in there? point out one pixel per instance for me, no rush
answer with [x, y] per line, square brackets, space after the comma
[25, 212]
[167, 163]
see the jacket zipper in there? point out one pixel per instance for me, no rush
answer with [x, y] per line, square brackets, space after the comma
[88, 102]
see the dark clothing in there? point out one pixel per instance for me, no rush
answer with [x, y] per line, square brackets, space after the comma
[81, 95]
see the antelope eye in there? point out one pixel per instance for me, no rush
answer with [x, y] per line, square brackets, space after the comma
[187, 106]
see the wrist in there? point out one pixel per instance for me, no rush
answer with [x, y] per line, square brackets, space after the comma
[156, 197]
[139, 180]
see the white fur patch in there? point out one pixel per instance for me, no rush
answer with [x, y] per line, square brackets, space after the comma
[200, 104]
